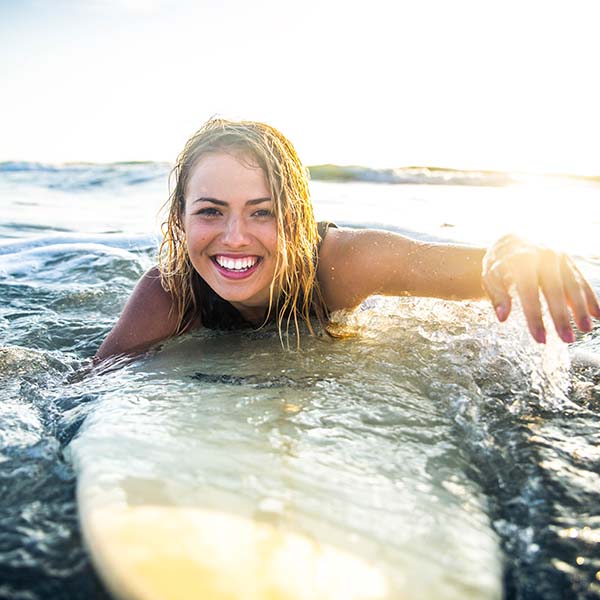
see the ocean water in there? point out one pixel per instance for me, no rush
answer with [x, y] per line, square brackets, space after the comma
[449, 449]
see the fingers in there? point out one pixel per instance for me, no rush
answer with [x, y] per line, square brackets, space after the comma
[593, 305]
[592, 300]
[580, 295]
[553, 283]
[497, 288]
[532, 269]
[527, 288]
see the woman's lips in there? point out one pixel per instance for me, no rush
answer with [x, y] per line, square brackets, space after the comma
[232, 273]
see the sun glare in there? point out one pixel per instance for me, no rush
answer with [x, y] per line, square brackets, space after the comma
[468, 85]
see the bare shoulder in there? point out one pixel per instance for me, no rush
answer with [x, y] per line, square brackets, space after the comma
[357, 263]
[148, 317]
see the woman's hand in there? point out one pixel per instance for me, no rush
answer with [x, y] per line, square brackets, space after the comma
[513, 261]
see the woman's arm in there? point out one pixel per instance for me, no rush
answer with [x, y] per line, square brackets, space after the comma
[146, 319]
[355, 264]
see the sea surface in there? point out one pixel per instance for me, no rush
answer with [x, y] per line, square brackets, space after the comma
[451, 451]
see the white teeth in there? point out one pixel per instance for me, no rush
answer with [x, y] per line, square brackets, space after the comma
[237, 264]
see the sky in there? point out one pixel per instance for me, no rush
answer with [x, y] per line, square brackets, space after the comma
[476, 84]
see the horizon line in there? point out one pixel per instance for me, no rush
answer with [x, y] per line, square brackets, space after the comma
[330, 166]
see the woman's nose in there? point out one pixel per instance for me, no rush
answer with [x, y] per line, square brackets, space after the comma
[235, 234]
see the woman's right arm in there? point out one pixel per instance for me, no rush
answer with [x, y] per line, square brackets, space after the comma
[147, 319]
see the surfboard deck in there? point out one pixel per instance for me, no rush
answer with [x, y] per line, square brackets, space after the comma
[175, 553]
[149, 543]
[215, 488]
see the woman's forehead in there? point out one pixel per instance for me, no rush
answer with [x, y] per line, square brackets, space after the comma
[226, 173]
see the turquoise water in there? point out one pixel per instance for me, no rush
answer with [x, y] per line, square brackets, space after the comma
[448, 428]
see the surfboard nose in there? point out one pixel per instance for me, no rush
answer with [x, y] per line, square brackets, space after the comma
[178, 553]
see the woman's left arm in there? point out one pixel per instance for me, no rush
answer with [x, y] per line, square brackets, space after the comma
[355, 264]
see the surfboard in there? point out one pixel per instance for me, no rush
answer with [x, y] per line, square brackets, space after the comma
[186, 490]
[156, 552]
[147, 547]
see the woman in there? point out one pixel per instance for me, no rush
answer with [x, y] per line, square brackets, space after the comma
[241, 247]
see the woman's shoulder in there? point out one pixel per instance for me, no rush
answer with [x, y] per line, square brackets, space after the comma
[148, 317]
[339, 245]
[151, 294]
[335, 268]
[357, 263]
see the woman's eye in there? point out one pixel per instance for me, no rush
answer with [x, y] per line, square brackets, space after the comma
[263, 212]
[209, 211]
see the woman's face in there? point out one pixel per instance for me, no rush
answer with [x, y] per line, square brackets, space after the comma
[231, 230]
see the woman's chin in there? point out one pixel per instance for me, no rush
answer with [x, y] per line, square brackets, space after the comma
[250, 289]
[240, 295]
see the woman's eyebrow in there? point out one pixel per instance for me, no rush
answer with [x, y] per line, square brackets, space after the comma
[223, 203]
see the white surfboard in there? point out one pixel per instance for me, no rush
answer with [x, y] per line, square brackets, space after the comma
[212, 486]
[150, 547]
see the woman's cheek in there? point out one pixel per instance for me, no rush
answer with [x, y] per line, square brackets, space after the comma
[196, 237]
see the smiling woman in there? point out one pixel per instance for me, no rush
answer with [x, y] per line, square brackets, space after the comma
[241, 247]
[231, 231]
[241, 193]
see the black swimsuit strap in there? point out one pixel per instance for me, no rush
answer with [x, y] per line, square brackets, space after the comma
[322, 227]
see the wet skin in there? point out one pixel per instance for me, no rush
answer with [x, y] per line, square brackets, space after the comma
[231, 238]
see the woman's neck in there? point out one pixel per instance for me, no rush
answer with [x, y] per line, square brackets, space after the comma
[253, 314]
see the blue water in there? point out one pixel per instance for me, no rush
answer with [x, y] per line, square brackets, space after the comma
[73, 241]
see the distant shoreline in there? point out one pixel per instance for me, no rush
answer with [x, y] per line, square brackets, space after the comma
[431, 175]
[334, 172]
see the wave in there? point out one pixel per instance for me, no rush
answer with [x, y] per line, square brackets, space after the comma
[140, 243]
[410, 175]
[78, 176]
[75, 176]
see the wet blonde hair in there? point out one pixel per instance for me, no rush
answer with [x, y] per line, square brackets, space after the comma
[295, 293]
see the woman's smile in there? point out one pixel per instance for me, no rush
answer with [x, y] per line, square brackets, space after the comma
[231, 229]
[234, 266]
